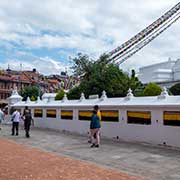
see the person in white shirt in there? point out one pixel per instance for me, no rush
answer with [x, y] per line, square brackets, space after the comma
[16, 117]
[1, 117]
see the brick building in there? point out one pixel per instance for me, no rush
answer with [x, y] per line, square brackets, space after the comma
[9, 79]
[8, 82]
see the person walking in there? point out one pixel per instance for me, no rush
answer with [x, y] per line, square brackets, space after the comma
[96, 108]
[27, 116]
[16, 118]
[1, 117]
[95, 126]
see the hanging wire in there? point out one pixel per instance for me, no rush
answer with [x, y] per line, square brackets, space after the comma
[145, 32]
[145, 42]
[170, 21]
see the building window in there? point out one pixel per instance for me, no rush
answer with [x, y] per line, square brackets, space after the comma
[110, 115]
[67, 114]
[51, 113]
[85, 115]
[38, 113]
[139, 117]
[171, 118]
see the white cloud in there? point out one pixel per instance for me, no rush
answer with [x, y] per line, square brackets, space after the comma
[86, 26]
[44, 65]
[84, 44]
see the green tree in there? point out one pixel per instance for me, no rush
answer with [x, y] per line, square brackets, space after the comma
[74, 93]
[152, 89]
[175, 90]
[30, 91]
[108, 78]
[60, 95]
[135, 85]
[102, 75]
[82, 66]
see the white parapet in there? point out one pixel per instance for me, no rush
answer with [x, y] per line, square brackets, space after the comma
[153, 119]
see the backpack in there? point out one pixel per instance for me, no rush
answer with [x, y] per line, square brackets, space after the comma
[27, 115]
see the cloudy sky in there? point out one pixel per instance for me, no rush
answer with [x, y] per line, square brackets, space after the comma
[44, 34]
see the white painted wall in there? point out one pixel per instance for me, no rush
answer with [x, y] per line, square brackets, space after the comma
[156, 133]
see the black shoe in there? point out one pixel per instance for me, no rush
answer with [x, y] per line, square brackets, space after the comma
[16, 134]
[12, 134]
[93, 145]
[97, 145]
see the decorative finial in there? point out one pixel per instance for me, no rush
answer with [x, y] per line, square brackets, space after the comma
[82, 97]
[129, 94]
[104, 96]
[14, 91]
[64, 98]
[38, 99]
[28, 100]
[163, 94]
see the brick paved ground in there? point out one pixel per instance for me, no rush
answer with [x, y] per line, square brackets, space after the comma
[19, 162]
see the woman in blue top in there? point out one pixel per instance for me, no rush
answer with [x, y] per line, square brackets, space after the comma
[95, 129]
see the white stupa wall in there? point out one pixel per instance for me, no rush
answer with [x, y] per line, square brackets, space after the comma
[155, 133]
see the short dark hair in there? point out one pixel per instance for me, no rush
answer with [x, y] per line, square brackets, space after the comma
[26, 107]
[96, 107]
